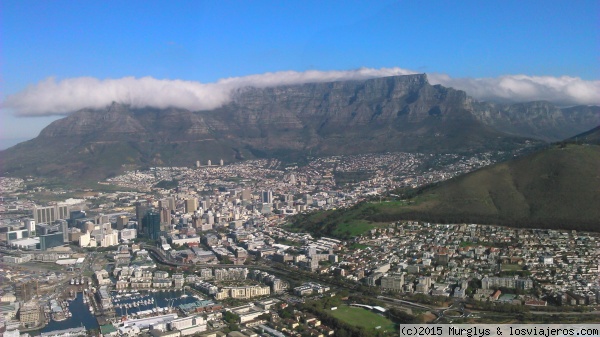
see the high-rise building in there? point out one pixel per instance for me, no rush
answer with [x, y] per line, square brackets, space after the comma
[64, 227]
[293, 179]
[172, 205]
[140, 211]
[122, 221]
[191, 205]
[246, 194]
[45, 228]
[74, 216]
[196, 221]
[50, 214]
[51, 240]
[162, 203]
[102, 219]
[29, 225]
[267, 197]
[221, 162]
[151, 223]
[165, 215]
[89, 226]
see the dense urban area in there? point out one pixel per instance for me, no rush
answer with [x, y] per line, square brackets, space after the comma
[209, 251]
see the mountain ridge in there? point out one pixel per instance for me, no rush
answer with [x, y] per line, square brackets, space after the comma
[396, 113]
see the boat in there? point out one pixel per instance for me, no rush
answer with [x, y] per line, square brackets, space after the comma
[184, 296]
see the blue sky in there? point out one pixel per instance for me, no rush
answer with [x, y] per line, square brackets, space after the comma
[204, 41]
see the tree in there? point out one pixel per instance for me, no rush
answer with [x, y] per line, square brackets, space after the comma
[230, 317]
[226, 260]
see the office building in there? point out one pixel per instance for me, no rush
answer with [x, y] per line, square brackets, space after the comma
[151, 224]
[141, 207]
[17, 235]
[165, 215]
[122, 221]
[51, 240]
[45, 229]
[29, 315]
[246, 194]
[267, 197]
[50, 214]
[64, 228]
[29, 225]
[74, 215]
[191, 205]
[394, 282]
[168, 203]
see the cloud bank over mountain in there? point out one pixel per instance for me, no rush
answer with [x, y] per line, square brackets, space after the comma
[562, 91]
[62, 97]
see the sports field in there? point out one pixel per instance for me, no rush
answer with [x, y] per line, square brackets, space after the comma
[362, 317]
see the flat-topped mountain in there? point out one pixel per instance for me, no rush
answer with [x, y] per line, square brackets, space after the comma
[399, 113]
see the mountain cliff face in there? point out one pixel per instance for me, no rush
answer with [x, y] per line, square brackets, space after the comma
[541, 120]
[400, 113]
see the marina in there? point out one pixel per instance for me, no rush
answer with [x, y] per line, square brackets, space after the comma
[84, 311]
[79, 315]
[139, 304]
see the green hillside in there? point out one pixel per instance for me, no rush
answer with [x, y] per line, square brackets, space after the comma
[558, 187]
[589, 137]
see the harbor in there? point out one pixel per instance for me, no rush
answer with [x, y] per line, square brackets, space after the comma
[85, 311]
[78, 316]
[139, 304]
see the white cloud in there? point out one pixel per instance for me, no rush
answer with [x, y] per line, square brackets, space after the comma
[563, 91]
[52, 97]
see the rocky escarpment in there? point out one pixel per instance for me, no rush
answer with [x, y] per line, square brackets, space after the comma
[540, 119]
[399, 113]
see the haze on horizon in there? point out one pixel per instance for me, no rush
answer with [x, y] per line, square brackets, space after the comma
[62, 56]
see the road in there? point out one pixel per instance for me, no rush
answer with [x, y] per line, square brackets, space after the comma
[285, 273]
